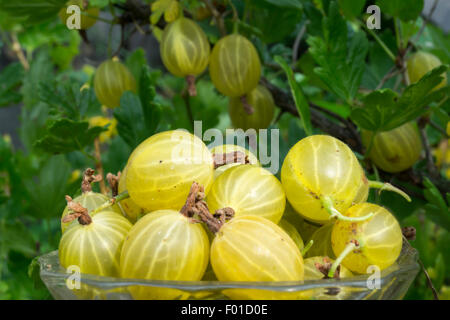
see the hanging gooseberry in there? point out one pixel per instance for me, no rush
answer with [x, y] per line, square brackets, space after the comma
[248, 190]
[235, 67]
[111, 80]
[420, 63]
[185, 50]
[166, 245]
[263, 110]
[395, 150]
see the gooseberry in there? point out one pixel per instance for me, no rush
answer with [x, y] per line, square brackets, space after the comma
[111, 80]
[185, 50]
[263, 106]
[420, 63]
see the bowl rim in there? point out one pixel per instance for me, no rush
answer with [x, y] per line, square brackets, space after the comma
[408, 263]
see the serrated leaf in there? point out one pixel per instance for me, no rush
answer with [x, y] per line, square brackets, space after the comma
[341, 60]
[10, 78]
[384, 110]
[299, 98]
[352, 8]
[135, 62]
[405, 10]
[437, 209]
[66, 135]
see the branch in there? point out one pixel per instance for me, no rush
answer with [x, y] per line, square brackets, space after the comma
[345, 130]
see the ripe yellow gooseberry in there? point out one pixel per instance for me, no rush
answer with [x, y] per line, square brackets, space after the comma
[321, 177]
[261, 100]
[111, 80]
[162, 169]
[248, 190]
[234, 67]
[252, 248]
[420, 63]
[228, 149]
[131, 210]
[88, 14]
[376, 241]
[395, 150]
[185, 50]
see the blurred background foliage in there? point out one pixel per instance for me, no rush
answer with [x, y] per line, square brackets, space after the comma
[44, 66]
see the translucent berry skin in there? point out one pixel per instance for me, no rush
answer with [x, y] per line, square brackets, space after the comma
[379, 238]
[184, 48]
[263, 105]
[292, 232]
[130, 209]
[313, 273]
[420, 63]
[251, 248]
[363, 191]
[227, 148]
[90, 201]
[95, 248]
[111, 80]
[88, 17]
[162, 168]
[322, 242]
[319, 166]
[164, 245]
[234, 66]
[395, 150]
[248, 190]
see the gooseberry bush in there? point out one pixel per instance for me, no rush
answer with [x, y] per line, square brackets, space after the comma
[359, 116]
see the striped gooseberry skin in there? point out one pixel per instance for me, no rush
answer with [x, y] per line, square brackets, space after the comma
[320, 166]
[292, 232]
[111, 80]
[379, 238]
[248, 190]
[322, 242]
[89, 200]
[395, 150]
[184, 48]
[313, 273]
[164, 245]
[234, 66]
[95, 248]
[227, 148]
[88, 16]
[420, 63]
[162, 168]
[263, 105]
[252, 248]
[131, 210]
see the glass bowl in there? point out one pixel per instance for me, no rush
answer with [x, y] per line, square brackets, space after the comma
[393, 284]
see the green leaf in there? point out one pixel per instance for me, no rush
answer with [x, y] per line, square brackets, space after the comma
[299, 98]
[352, 8]
[384, 110]
[291, 4]
[15, 236]
[405, 10]
[341, 59]
[437, 209]
[147, 94]
[10, 78]
[46, 193]
[32, 11]
[135, 62]
[66, 135]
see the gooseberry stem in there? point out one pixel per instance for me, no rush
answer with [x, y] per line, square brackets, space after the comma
[307, 247]
[122, 196]
[190, 80]
[387, 186]
[327, 203]
[349, 248]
